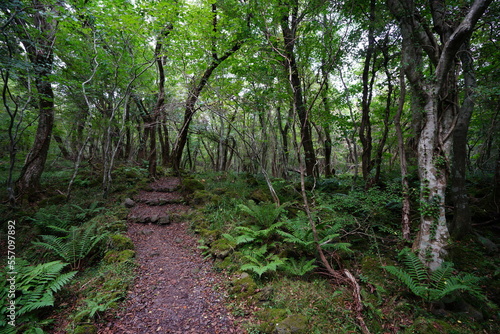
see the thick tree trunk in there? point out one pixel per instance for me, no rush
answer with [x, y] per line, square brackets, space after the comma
[29, 180]
[433, 236]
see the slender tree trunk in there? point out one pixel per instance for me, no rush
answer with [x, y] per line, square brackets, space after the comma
[288, 27]
[387, 113]
[284, 130]
[365, 133]
[461, 224]
[40, 53]
[405, 188]
[189, 111]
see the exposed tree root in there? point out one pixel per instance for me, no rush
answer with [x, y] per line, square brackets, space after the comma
[339, 276]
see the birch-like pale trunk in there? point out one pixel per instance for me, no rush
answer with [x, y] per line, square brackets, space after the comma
[433, 236]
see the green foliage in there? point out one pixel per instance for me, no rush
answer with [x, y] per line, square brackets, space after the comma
[75, 246]
[260, 261]
[299, 267]
[298, 232]
[59, 219]
[35, 288]
[265, 214]
[99, 303]
[255, 235]
[433, 286]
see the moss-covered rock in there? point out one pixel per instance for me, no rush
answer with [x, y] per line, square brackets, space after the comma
[243, 286]
[269, 318]
[261, 195]
[201, 197]
[191, 185]
[120, 242]
[208, 235]
[221, 248]
[293, 324]
[118, 226]
[85, 329]
[114, 256]
[228, 264]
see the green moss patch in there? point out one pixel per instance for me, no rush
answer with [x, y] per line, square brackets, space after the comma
[120, 242]
[114, 256]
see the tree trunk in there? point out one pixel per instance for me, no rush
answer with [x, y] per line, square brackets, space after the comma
[405, 188]
[289, 27]
[461, 224]
[189, 111]
[40, 54]
[365, 132]
[390, 88]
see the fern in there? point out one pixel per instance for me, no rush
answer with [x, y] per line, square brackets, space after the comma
[265, 214]
[99, 303]
[433, 286]
[248, 235]
[260, 262]
[74, 247]
[35, 288]
[299, 267]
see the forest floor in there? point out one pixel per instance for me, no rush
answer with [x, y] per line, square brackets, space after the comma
[176, 290]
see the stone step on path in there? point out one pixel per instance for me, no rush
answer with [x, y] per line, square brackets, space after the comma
[160, 203]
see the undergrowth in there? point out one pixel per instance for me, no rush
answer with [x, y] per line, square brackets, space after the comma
[62, 280]
[357, 229]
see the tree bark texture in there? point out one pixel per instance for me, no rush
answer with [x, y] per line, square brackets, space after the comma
[461, 224]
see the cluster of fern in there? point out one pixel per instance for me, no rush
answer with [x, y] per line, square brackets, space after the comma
[67, 240]
[433, 286]
[35, 288]
[272, 230]
[75, 245]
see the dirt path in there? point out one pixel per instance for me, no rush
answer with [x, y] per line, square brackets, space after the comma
[176, 290]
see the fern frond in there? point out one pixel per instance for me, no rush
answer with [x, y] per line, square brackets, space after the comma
[288, 237]
[415, 266]
[61, 280]
[406, 278]
[229, 237]
[440, 276]
[338, 246]
[299, 267]
[54, 243]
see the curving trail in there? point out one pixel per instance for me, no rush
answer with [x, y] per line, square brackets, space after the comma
[176, 290]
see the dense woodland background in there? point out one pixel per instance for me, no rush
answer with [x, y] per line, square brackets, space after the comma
[368, 100]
